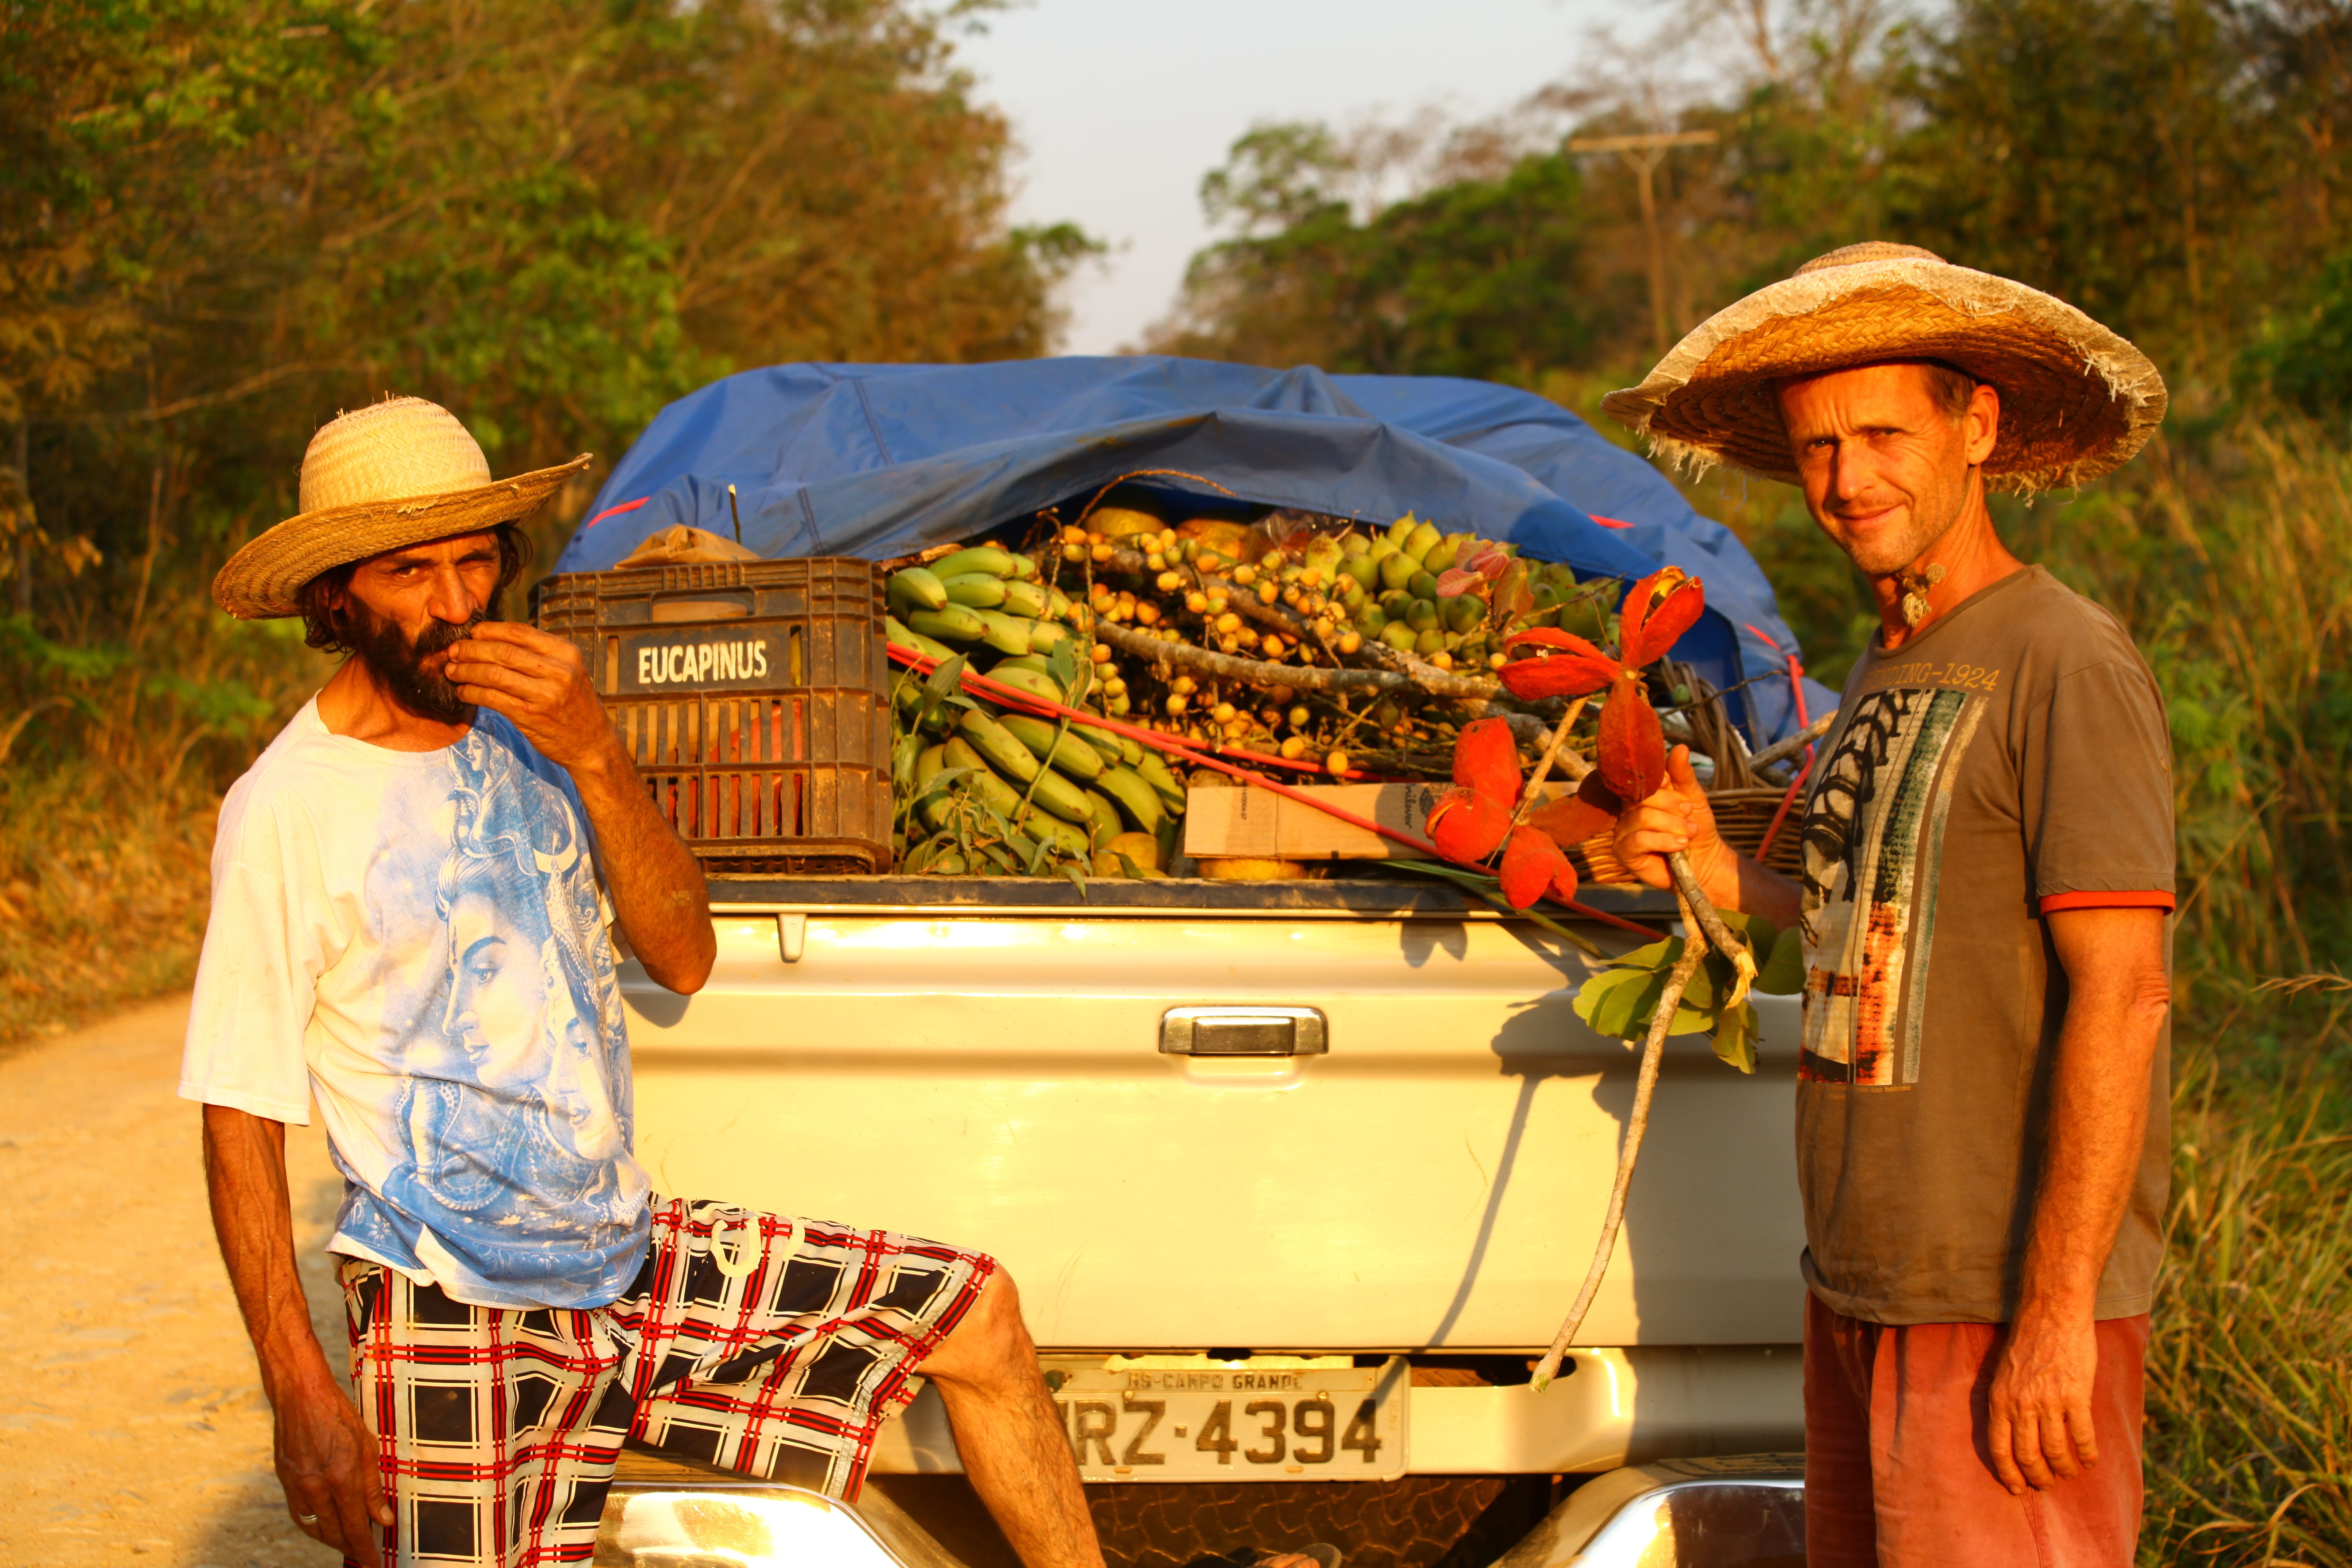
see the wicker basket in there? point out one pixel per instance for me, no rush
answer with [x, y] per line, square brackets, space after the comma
[754, 698]
[1741, 815]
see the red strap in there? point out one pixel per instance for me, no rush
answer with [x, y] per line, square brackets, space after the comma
[2148, 900]
[616, 511]
[1011, 696]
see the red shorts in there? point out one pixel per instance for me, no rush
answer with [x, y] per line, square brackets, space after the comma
[1897, 1471]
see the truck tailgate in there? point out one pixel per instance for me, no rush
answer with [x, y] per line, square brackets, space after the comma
[1434, 1178]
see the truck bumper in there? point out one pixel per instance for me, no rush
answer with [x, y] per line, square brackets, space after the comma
[1618, 1408]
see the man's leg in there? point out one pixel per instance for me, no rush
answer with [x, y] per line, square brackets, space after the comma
[1939, 1504]
[1016, 1452]
[484, 1423]
[1840, 1525]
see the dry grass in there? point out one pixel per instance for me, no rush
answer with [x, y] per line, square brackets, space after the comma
[108, 794]
[2250, 1377]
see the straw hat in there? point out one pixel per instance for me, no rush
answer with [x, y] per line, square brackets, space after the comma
[396, 473]
[2076, 400]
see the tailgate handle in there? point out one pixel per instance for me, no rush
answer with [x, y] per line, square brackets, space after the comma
[1244, 1032]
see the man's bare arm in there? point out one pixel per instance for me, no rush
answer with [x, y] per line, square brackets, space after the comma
[539, 683]
[2116, 996]
[325, 1453]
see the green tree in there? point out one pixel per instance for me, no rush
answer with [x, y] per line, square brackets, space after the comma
[1473, 278]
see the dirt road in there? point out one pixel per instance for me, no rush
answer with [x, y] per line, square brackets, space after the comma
[132, 1423]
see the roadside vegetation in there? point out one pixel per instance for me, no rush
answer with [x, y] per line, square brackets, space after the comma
[224, 219]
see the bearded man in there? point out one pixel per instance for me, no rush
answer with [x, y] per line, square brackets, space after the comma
[1988, 879]
[411, 891]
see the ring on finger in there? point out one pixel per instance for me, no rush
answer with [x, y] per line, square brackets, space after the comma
[306, 1519]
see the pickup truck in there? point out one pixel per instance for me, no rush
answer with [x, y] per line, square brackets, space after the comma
[1297, 1178]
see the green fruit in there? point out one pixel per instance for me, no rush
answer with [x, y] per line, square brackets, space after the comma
[996, 745]
[1545, 595]
[1102, 818]
[1355, 544]
[1447, 551]
[979, 558]
[1070, 754]
[1370, 620]
[1104, 744]
[1421, 615]
[1397, 569]
[1005, 633]
[904, 753]
[1019, 677]
[999, 796]
[1043, 635]
[1421, 541]
[927, 768]
[1070, 838]
[1463, 613]
[914, 588]
[1430, 642]
[980, 590]
[1363, 571]
[1399, 635]
[906, 635]
[1010, 758]
[1024, 598]
[1164, 784]
[1352, 593]
[1422, 586]
[1401, 529]
[1135, 796]
[953, 623]
[1025, 568]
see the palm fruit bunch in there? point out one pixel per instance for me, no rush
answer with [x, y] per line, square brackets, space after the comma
[1293, 589]
[984, 790]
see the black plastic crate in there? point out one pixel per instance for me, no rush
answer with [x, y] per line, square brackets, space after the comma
[754, 697]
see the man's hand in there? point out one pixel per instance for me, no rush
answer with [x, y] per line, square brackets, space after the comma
[326, 1462]
[540, 685]
[2039, 1415]
[1678, 818]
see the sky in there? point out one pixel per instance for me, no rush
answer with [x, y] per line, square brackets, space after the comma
[1120, 106]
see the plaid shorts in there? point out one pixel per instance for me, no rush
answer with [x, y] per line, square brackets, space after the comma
[497, 1430]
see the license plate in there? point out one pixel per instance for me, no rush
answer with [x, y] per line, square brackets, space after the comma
[1233, 1422]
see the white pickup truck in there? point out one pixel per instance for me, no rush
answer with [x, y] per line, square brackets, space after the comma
[1296, 1179]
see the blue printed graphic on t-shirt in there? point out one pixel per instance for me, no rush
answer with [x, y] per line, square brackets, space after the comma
[506, 1109]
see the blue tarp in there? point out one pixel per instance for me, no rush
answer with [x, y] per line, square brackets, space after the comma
[884, 460]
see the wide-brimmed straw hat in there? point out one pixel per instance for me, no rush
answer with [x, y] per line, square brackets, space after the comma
[396, 473]
[2076, 400]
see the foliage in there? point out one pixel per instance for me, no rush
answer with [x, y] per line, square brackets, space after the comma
[1464, 280]
[2172, 167]
[1620, 1001]
[223, 220]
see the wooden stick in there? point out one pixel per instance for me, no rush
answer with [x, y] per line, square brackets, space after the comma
[1255, 671]
[1244, 601]
[1528, 796]
[1781, 750]
[1743, 963]
[1653, 1050]
[1526, 728]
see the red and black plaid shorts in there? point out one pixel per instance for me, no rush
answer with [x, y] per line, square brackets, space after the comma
[497, 1430]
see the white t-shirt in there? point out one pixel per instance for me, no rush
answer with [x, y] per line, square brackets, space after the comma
[414, 938]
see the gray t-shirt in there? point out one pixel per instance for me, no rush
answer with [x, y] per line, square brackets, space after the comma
[2009, 760]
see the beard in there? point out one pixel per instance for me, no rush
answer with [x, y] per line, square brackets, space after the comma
[398, 664]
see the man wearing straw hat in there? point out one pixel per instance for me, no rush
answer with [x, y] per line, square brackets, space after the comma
[1988, 879]
[411, 892]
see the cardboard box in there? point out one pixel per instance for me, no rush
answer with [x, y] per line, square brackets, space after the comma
[1246, 821]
